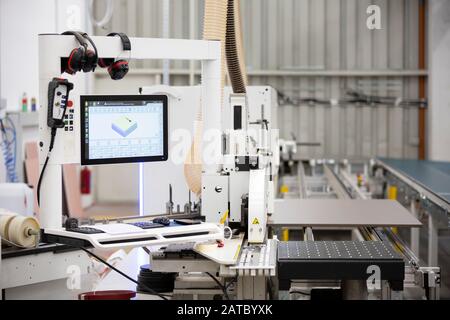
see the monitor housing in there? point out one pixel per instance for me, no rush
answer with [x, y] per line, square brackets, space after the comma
[123, 128]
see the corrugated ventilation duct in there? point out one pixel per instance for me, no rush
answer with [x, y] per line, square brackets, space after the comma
[222, 23]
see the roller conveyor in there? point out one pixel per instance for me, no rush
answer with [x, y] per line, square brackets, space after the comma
[433, 176]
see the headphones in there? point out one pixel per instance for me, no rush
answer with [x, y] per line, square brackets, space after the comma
[117, 69]
[81, 58]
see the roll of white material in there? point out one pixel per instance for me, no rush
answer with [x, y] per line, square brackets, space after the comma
[19, 230]
[5, 219]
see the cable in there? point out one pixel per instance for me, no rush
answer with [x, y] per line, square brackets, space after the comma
[153, 292]
[230, 283]
[50, 148]
[221, 286]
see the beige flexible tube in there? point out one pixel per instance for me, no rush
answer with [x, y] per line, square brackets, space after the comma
[233, 42]
[222, 23]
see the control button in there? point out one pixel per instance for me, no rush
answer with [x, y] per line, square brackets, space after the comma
[58, 93]
[66, 129]
[70, 116]
[70, 128]
[70, 103]
[72, 110]
[71, 122]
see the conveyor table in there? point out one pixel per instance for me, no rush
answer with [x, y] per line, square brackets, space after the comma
[431, 180]
[434, 176]
[338, 260]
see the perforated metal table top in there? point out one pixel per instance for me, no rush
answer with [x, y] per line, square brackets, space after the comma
[338, 260]
[336, 250]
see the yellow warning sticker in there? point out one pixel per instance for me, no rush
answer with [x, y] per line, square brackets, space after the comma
[255, 221]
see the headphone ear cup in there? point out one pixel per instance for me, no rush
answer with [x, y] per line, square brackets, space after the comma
[118, 69]
[91, 61]
[74, 63]
[105, 62]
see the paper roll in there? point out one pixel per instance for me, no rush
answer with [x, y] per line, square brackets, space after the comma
[19, 230]
[5, 219]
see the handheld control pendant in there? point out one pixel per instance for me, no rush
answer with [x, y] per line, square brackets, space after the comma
[58, 98]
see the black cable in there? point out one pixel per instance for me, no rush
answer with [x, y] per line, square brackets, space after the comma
[230, 283]
[221, 286]
[153, 292]
[50, 148]
[40, 180]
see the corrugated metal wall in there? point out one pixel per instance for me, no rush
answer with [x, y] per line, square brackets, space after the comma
[313, 48]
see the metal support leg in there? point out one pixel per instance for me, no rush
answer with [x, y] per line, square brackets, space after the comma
[415, 232]
[434, 285]
[432, 241]
[387, 293]
[354, 290]
[252, 288]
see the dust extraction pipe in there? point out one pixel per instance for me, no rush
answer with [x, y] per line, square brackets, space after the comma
[222, 23]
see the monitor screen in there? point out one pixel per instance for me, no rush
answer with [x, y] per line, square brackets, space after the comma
[123, 129]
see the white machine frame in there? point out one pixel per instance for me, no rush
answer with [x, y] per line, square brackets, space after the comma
[66, 150]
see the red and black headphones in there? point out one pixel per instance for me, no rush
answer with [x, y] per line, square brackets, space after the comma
[117, 69]
[81, 58]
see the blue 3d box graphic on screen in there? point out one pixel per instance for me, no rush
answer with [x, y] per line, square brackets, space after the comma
[124, 126]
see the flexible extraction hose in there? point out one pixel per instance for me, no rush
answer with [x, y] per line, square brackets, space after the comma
[236, 69]
[221, 23]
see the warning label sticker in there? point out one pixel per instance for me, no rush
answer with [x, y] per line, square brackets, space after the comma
[255, 221]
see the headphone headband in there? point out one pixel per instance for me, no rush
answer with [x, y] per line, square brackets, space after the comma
[78, 36]
[86, 36]
[126, 43]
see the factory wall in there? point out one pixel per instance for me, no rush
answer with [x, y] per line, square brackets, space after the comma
[19, 46]
[310, 49]
[439, 48]
[303, 48]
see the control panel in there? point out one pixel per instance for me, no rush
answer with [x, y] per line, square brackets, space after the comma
[58, 101]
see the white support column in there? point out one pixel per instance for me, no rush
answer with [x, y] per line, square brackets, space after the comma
[415, 232]
[438, 112]
[211, 111]
[50, 209]
[432, 241]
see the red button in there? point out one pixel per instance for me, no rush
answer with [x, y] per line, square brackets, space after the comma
[70, 103]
